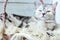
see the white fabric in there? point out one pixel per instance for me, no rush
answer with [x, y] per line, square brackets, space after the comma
[57, 16]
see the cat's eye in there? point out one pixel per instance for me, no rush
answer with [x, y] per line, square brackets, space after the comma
[48, 11]
[40, 10]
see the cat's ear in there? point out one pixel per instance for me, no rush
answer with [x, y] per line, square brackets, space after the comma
[54, 6]
[35, 5]
[41, 2]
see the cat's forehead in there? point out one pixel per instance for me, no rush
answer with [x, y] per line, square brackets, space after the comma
[40, 7]
[48, 8]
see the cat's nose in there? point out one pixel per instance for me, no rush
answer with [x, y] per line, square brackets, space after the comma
[43, 14]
